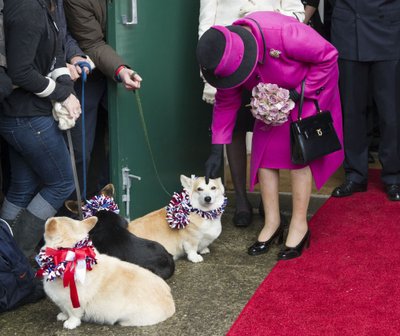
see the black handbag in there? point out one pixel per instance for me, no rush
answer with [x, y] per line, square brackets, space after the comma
[312, 137]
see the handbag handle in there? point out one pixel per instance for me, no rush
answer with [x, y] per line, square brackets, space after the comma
[303, 85]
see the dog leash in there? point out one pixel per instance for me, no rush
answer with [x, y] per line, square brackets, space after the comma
[75, 174]
[82, 65]
[147, 139]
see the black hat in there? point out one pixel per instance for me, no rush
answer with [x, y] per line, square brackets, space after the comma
[227, 55]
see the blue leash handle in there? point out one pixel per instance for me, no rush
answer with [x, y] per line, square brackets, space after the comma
[83, 64]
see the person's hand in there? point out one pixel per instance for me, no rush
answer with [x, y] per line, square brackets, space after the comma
[209, 93]
[77, 59]
[130, 79]
[5, 84]
[73, 72]
[213, 162]
[73, 106]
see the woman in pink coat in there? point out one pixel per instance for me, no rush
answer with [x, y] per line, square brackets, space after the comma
[269, 47]
[224, 12]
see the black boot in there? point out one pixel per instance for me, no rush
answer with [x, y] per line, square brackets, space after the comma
[36, 295]
[28, 230]
[11, 223]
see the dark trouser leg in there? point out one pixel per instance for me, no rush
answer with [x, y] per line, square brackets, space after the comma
[386, 90]
[354, 78]
[95, 89]
[237, 157]
[99, 163]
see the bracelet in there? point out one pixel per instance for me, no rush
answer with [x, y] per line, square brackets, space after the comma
[117, 76]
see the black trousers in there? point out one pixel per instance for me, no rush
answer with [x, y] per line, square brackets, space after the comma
[95, 100]
[356, 80]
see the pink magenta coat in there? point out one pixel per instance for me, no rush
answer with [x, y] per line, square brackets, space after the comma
[303, 54]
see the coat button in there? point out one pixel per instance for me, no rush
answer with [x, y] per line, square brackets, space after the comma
[318, 91]
[258, 77]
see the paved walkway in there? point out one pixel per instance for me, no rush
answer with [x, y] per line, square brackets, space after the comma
[208, 296]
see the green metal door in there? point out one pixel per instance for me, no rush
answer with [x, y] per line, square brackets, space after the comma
[161, 48]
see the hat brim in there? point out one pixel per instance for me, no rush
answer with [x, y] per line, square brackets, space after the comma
[246, 67]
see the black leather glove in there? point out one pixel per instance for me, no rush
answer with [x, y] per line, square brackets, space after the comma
[5, 84]
[294, 95]
[213, 162]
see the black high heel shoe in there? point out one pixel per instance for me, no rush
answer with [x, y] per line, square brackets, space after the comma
[263, 247]
[293, 252]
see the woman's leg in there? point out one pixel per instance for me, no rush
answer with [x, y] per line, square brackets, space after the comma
[269, 184]
[23, 182]
[301, 192]
[41, 145]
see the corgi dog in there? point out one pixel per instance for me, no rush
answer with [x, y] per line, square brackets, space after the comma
[100, 288]
[190, 223]
[110, 236]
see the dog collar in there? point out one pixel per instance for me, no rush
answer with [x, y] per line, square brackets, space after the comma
[179, 209]
[70, 264]
[97, 203]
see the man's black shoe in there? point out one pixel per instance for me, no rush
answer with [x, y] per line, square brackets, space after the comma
[393, 192]
[349, 188]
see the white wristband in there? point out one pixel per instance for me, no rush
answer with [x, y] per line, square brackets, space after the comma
[89, 60]
[48, 90]
[59, 72]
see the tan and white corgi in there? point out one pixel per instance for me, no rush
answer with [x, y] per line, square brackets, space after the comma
[109, 291]
[195, 215]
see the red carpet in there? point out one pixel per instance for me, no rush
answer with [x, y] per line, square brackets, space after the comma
[346, 283]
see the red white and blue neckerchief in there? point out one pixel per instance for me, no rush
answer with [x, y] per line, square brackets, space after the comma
[70, 264]
[179, 209]
[97, 203]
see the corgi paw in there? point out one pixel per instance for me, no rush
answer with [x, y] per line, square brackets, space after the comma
[205, 250]
[62, 317]
[72, 323]
[194, 257]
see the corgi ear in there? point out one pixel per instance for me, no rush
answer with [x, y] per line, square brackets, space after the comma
[90, 222]
[51, 227]
[108, 190]
[186, 182]
[72, 206]
[220, 184]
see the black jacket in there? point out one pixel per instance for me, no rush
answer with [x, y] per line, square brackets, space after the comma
[366, 30]
[5, 82]
[33, 50]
